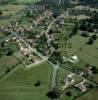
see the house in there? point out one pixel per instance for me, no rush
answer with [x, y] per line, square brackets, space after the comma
[25, 51]
[14, 38]
[7, 40]
[81, 86]
[17, 41]
[74, 59]
[68, 79]
[86, 72]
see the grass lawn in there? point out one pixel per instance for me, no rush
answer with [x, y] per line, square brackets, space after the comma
[20, 84]
[91, 95]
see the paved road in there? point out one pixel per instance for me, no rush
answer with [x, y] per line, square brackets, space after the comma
[54, 67]
[50, 25]
[54, 73]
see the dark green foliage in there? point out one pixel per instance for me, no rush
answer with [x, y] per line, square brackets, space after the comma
[56, 57]
[1, 12]
[7, 70]
[53, 94]
[94, 70]
[6, 1]
[89, 24]
[90, 42]
[94, 37]
[69, 93]
[37, 83]
[9, 52]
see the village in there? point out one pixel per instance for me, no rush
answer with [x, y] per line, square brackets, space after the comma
[67, 42]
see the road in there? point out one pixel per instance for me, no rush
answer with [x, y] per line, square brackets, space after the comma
[50, 25]
[54, 67]
[54, 73]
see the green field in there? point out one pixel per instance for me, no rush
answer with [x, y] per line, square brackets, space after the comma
[11, 9]
[86, 53]
[89, 54]
[27, 1]
[7, 12]
[4, 22]
[77, 42]
[8, 62]
[91, 95]
[20, 84]
[2, 35]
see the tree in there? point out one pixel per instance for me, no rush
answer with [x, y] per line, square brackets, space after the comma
[7, 70]
[1, 12]
[6, 1]
[91, 86]
[91, 29]
[94, 37]
[37, 83]
[90, 41]
[56, 57]
[2, 44]
[28, 13]
[83, 26]
[53, 94]
[9, 52]
[84, 34]
[55, 44]
[69, 93]
[94, 70]
[75, 29]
